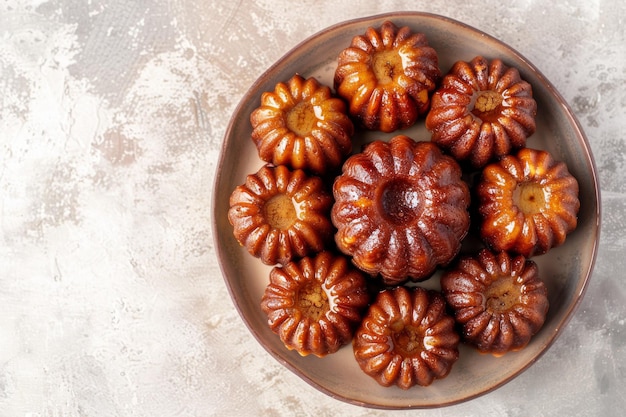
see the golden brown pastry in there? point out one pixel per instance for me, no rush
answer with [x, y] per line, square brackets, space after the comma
[386, 75]
[482, 110]
[302, 125]
[400, 209]
[527, 202]
[315, 304]
[280, 215]
[499, 300]
[406, 338]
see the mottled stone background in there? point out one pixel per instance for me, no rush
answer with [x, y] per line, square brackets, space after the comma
[112, 114]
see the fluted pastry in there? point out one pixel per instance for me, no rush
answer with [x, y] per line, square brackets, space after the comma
[483, 110]
[400, 209]
[280, 215]
[387, 75]
[406, 338]
[302, 125]
[528, 203]
[315, 304]
[499, 300]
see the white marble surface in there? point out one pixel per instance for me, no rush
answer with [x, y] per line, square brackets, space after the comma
[111, 118]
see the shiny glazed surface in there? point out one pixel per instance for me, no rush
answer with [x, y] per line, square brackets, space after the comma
[401, 209]
[499, 300]
[112, 117]
[482, 110]
[338, 375]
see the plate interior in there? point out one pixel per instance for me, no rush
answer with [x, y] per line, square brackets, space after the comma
[565, 269]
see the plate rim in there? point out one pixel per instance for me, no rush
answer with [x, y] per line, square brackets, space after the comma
[577, 127]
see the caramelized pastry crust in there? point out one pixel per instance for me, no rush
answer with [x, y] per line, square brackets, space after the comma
[406, 338]
[301, 125]
[280, 215]
[482, 110]
[315, 304]
[387, 75]
[528, 203]
[400, 209]
[500, 301]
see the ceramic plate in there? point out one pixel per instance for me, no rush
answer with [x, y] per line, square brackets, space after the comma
[565, 269]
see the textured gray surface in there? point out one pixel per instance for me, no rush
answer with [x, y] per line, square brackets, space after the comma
[111, 118]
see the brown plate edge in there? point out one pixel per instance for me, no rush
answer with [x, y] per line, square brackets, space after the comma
[559, 98]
